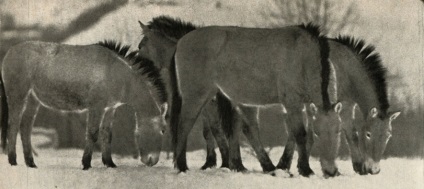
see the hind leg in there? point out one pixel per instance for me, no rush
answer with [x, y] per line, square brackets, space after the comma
[106, 137]
[222, 142]
[210, 145]
[251, 131]
[234, 160]
[92, 132]
[27, 122]
[286, 159]
[213, 129]
[191, 107]
[17, 105]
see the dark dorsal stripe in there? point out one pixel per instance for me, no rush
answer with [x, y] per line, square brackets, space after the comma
[373, 65]
[137, 62]
[171, 27]
[315, 31]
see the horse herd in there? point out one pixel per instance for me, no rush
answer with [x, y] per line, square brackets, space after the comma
[180, 72]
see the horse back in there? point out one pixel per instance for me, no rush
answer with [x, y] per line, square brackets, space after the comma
[249, 60]
[55, 72]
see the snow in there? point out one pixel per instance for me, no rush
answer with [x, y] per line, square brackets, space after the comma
[63, 169]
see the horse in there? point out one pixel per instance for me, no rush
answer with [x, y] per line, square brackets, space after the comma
[217, 75]
[361, 87]
[362, 84]
[93, 79]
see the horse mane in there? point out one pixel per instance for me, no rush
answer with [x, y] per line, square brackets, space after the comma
[171, 27]
[137, 62]
[315, 31]
[372, 64]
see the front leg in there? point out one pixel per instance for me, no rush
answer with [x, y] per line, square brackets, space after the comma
[94, 118]
[297, 129]
[106, 137]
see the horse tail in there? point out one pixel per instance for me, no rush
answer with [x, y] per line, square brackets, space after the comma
[4, 115]
[226, 114]
[175, 105]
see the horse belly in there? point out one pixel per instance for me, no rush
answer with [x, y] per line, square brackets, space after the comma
[62, 101]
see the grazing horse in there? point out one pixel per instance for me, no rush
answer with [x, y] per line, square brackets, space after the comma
[95, 79]
[361, 84]
[296, 71]
[362, 80]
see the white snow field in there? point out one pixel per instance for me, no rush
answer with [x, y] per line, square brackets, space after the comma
[63, 169]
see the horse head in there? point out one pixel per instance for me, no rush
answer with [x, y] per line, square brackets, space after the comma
[373, 138]
[149, 134]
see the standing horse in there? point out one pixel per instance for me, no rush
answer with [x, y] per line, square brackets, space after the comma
[95, 79]
[290, 77]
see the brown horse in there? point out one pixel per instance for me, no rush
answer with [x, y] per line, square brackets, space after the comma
[362, 80]
[251, 67]
[94, 79]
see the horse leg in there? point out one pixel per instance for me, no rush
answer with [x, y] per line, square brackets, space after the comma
[251, 131]
[17, 105]
[27, 122]
[190, 110]
[94, 118]
[297, 129]
[106, 137]
[234, 155]
[286, 159]
[210, 145]
[222, 142]
[212, 129]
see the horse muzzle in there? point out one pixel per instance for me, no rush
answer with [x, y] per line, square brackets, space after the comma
[150, 159]
[372, 167]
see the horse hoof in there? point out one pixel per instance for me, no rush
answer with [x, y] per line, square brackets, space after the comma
[208, 166]
[13, 162]
[240, 169]
[111, 165]
[307, 172]
[225, 165]
[31, 165]
[86, 168]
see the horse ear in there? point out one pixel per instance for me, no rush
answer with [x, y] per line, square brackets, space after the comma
[284, 110]
[143, 27]
[394, 115]
[373, 113]
[354, 108]
[338, 107]
[164, 109]
[313, 108]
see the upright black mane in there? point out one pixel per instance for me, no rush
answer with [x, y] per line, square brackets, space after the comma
[171, 27]
[315, 31]
[139, 63]
[372, 63]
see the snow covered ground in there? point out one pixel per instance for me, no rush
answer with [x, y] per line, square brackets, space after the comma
[62, 169]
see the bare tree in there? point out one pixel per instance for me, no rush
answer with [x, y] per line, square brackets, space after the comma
[333, 16]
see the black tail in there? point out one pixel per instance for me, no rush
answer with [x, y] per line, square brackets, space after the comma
[175, 106]
[4, 115]
[226, 114]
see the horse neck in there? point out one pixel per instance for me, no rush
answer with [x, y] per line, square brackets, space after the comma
[142, 96]
[353, 82]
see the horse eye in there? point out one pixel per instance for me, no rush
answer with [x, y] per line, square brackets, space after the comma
[162, 131]
[368, 135]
